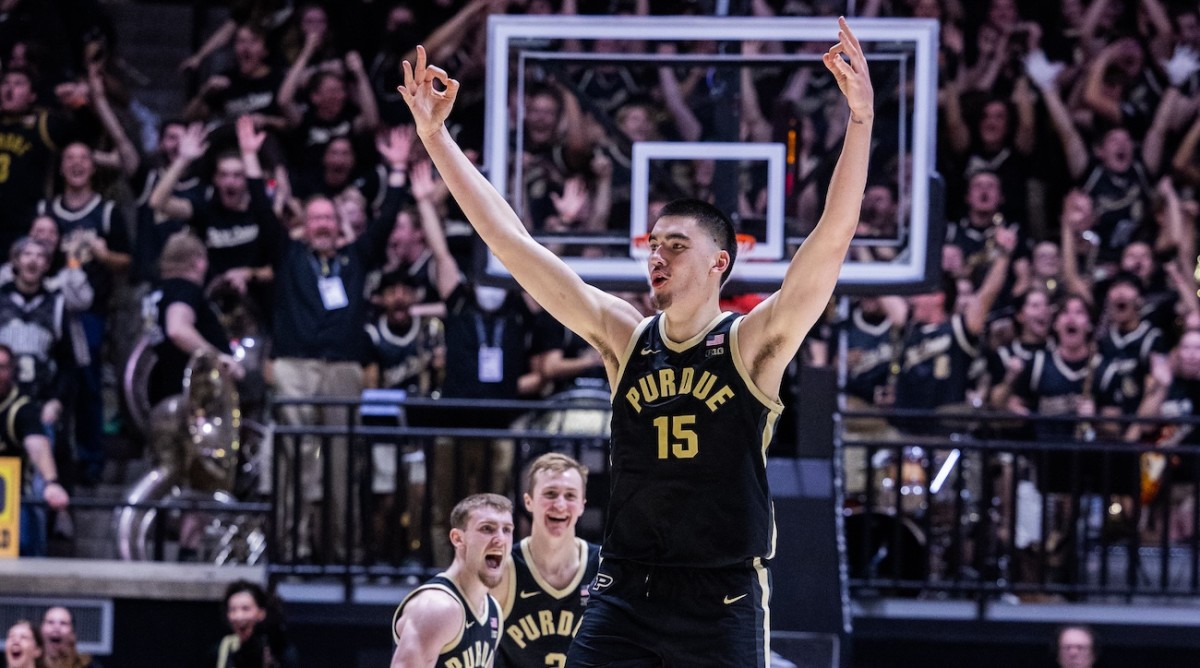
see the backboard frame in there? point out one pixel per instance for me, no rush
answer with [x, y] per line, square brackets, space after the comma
[913, 270]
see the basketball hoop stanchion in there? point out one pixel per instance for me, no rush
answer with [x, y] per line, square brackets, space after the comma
[641, 244]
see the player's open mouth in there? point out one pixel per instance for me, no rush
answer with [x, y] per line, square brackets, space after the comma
[657, 280]
[493, 560]
[557, 520]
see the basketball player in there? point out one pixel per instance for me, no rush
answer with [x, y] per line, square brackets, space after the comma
[690, 524]
[452, 620]
[545, 587]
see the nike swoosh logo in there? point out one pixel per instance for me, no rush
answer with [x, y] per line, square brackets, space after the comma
[735, 599]
[529, 594]
[648, 351]
[470, 624]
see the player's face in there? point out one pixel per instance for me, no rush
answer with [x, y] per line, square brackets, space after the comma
[1075, 649]
[57, 628]
[77, 166]
[321, 225]
[682, 257]
[243, 613]
[556, 501]
[484, 544]
[16, 93]
[20, 647]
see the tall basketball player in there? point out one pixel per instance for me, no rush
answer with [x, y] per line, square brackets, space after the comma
[683, 580]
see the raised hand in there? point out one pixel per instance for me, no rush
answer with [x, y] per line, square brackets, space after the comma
[851, 73]
[429, 106]
[194, 142]
[572, 201]
[249, 139]
[421, 182]
[395, 145]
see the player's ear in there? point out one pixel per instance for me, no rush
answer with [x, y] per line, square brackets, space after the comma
[456, 538]
[722, 261]
[528, 502]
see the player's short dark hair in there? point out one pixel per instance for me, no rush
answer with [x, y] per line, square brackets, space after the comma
[554, 462]
[463, 509]
[711, 219]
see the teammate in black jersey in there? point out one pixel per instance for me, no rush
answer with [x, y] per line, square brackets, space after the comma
[683, 579]
[545, 587]
[452, 620]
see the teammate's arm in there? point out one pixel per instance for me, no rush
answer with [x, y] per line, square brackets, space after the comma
[773, 331]
[431, 620]
[604, 320]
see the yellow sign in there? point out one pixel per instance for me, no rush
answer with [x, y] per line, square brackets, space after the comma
[10, 506]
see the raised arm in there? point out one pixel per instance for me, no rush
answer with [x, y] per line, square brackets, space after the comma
[124, 157]
[368, 111]
[1043, 73]
[192, 145]
[605, 321]
[772, 332]
[447, 274]
[293, 81]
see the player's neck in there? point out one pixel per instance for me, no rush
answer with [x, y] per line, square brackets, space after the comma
[681, 323]
[471, 587]
[554, 556]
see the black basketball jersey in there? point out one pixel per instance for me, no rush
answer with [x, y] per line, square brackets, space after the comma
[406, 358]
[690, 433]
[32, 326]
[1051, 385]
[475, 645]
[539, 620]
[1183, 400]
[1124, 363]
[870, 349]
[935, 364]
[97, 217]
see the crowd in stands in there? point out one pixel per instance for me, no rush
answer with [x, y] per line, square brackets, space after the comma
[1068, 138]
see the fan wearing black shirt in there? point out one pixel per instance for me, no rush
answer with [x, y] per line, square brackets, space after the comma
[233, 218]
[187, 319]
